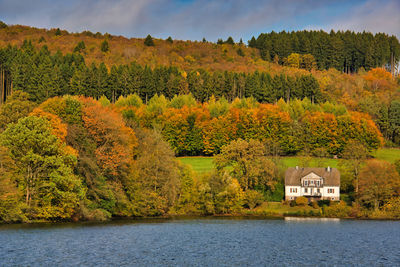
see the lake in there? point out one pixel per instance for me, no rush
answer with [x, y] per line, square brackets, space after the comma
[203, 242]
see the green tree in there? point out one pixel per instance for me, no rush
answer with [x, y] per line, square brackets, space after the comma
[3, 25]
[16, 107]
[80, 47]
[230, 41]
[253, 42]
[104, 47]
[249, 163]
[51, 189]
[240, 52]
[149, 41]
[169, 40]
[155, 184]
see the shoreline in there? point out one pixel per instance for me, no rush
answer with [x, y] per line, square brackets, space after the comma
[167, 218]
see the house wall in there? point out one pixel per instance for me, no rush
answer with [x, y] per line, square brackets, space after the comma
[324, 192]
[335, 196]
[290, 195]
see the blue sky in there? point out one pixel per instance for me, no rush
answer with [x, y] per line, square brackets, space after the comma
[195, 19]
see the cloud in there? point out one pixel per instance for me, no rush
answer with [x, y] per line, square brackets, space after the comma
[195, 19]
[374, 16]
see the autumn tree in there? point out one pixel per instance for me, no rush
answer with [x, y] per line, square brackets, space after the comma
[11, 208]
[16, 107]
[355, 154]
[115, 142]
[155, 182]
[249, 164]
[379, 181]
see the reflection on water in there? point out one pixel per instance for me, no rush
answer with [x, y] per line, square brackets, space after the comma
[311, 219]
[203, 242]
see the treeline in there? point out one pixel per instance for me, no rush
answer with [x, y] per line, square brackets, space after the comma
[72, 158]
[345, 51]
[193, 128]
[75, 158]
[44, 75]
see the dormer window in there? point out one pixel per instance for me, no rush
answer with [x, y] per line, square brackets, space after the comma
[305, 182]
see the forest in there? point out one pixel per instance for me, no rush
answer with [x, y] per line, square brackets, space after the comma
[82, 141]
[345, 51]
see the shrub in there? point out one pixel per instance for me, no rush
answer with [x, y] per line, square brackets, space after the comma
[339, 209]
[253, 198]
[3, 25]
[301, 201]
[325, 202]
[314, 204]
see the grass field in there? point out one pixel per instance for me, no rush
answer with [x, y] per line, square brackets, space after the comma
[199, 164]
[388, 154]
[205, 164]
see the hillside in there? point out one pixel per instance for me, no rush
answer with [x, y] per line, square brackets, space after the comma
[183, 54]
[180, 67]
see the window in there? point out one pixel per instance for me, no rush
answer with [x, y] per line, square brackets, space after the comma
[312, 182]
[317, 183]
[331, 190]
[305, 190]
[293, 190]
[305, 182]
[318, 190]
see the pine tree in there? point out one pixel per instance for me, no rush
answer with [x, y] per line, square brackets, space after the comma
[104, 46]
[149, 41]
[230, 41]
[253, 42]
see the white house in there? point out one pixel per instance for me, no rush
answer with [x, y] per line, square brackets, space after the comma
[312, 183]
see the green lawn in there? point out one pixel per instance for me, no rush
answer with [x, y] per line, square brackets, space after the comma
[199, 164]
[388, 154]
[205, 164]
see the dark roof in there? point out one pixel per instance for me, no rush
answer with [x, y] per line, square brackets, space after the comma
[293, 175]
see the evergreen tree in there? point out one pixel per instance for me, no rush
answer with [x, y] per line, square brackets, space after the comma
[80, 47]
[230, 41]
[149, 41]
[253, 42]
[104, 47]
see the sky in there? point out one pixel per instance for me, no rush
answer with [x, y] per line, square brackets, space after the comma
[211, 19]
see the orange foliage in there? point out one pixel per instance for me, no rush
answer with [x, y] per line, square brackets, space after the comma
[379, 80]
[115, 142]
[59, 128]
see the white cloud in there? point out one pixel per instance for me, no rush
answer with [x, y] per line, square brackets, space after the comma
[374, 16]
[198, 18]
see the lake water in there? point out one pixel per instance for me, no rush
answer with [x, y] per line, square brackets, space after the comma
[203, 242]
